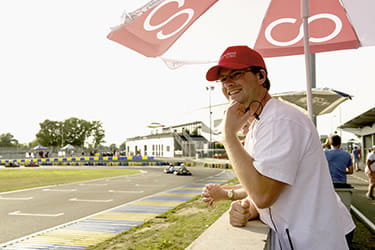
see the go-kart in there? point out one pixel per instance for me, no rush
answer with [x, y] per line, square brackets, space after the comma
[182, 171]
[170, 169]
[12, 164]
[31, 164]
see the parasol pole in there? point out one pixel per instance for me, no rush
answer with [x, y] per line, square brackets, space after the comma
[305, 15]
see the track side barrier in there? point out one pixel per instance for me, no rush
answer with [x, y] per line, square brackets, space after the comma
[91, 161]
[218, 165]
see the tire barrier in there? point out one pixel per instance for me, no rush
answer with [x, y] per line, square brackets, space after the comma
[218, 165]
[135, 161]
[86, 161]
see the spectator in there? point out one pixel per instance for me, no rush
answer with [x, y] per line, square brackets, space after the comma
[356, 158]
[370, 172]
[339, 161]
[282, 166]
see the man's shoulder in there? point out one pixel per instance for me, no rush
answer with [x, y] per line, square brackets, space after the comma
[282, 110]
[327, 151]
[344, 152]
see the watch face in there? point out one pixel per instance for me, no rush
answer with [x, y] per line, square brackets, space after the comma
[230, 194]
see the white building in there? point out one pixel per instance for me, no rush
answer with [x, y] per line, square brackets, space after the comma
[188, 140]
[363, 126]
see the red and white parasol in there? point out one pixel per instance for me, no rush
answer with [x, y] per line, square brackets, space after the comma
[292, 28]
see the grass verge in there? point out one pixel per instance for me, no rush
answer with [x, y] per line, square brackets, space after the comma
[179, 227]
[175, 229]
[15, 179]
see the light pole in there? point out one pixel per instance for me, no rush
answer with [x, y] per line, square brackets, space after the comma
[210, 89]
[62, 134]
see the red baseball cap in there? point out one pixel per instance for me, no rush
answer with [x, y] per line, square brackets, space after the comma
[236, 57]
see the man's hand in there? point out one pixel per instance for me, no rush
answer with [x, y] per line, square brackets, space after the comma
[213, 193]
[235, 118]
[239, 213]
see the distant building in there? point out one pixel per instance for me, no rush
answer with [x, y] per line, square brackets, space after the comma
[184, 138]
[363, 126]
[188, 140]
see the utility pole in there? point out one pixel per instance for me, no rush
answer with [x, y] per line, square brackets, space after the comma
[210, 89]
[62, 133]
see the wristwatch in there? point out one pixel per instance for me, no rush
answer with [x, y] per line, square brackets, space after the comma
[230, 194]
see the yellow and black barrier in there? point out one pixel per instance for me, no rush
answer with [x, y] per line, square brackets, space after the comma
[90, 161]
[217, 165]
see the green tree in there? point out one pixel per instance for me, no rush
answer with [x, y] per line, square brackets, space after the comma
[8, 140]
[97, 132]
[72, 131]
[75, 131]
[113, 147]
[49, 133]
[122, 146]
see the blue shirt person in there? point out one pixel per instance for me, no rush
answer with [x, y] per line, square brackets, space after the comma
[339, 161]
[356, 157]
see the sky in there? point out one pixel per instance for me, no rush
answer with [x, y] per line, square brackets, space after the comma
[56, 63]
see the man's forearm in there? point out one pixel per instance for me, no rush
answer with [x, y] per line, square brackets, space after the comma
[263, 190]
[254, 215]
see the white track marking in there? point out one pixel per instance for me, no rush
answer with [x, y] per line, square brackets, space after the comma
[38, 215]
[60, 190]
[16, 198]
[142, 185]
[126, 191]
[93, 184]
[76, 199]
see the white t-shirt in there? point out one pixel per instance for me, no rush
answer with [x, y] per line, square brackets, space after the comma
[308, 214]
[371, 157]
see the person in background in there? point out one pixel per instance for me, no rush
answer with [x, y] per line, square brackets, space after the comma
[356, 158]
[339, 161]
[282, 166]
[370, 172]
[326, 145]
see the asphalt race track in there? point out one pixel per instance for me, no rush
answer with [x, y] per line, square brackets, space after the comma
[68, 216]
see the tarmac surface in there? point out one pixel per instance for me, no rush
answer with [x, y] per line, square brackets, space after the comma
[107, 224]
[360, 202]
[98, 227]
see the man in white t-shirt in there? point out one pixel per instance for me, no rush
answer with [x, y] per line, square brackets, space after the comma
[282, 166]
[370, 172]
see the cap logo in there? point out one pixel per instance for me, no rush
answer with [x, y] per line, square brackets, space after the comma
[229, 55]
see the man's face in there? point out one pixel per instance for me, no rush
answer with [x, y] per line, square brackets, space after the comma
[243, 87]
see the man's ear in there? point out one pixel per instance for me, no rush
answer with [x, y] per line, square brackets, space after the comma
[262, 74]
